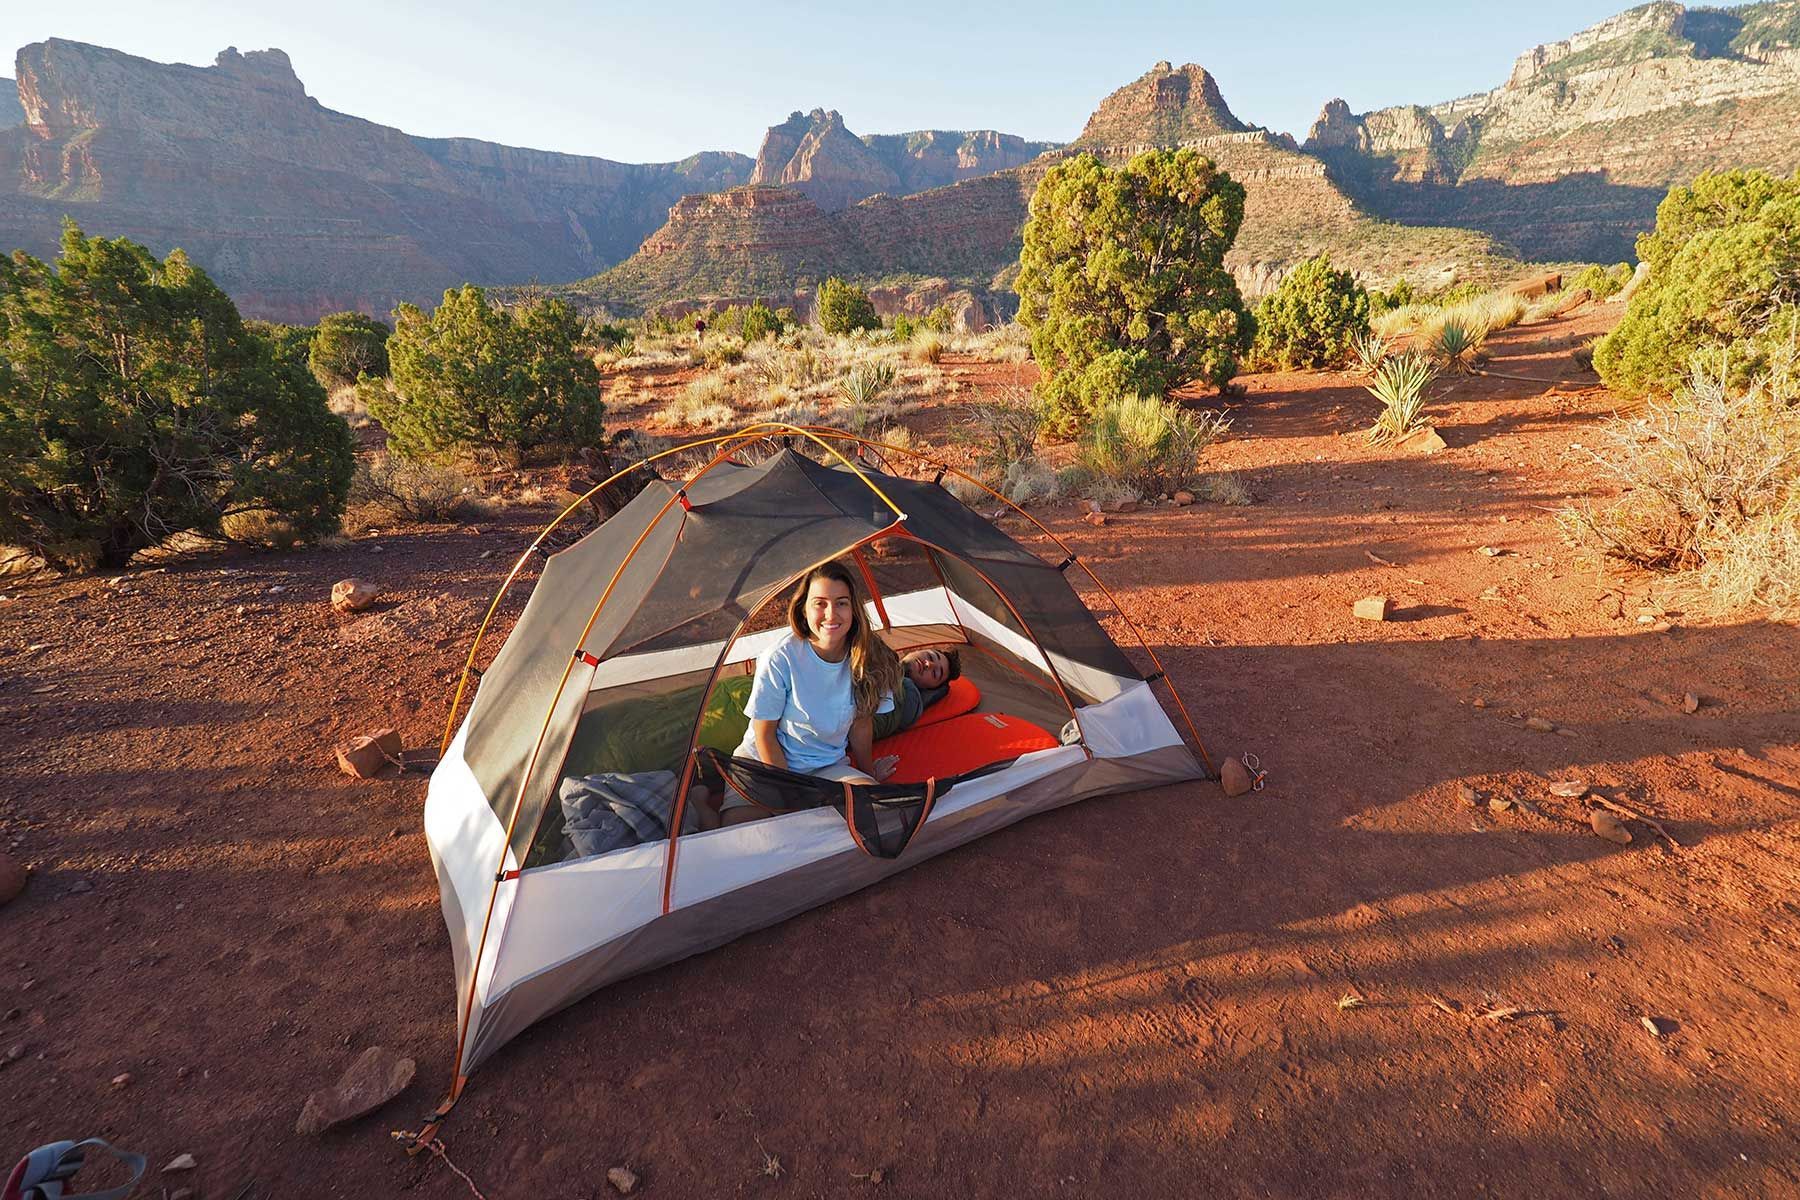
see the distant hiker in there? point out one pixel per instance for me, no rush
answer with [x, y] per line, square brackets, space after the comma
[699, 329]
[816, 693]
[927, 680]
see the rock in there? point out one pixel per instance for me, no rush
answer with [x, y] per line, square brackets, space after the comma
[1653, 1025]
[1092, 506]
[1569, 789]
[1371, 608]
[1489, 551]
[623, 1179]
[1235, 777]
[1184, 498]
[376, 1077]
[1095, 518]
[80, 887]
[1609, 827]
[1690, 703]
[181, 1162]
[1467, 794]
[122, 1080]
[1121, 506]
[367, 756]
[1478, 702]
[1541, 724]
[1425, 441]
[184, 1194]
[1499, 804]
[354, 595]
[12, 877]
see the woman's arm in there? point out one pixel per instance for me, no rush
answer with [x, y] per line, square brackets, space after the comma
[768, 746]
[862, 741]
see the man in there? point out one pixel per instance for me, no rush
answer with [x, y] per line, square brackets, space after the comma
[927, 680]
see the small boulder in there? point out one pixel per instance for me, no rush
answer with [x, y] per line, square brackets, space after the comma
[1184, 498]
[623, 1179]
[181, 1162]
[1541, 724]
[1499, 804]
[1372, 608]
[1609, 827]
[354, 595]
[365, 757]
[1095, 518]
[1569, 789]
[1425, 441]
[1690, 703]
[1235, 777]
[372, 1080]
[1121, 506]
[12, 877]
[1467, 794]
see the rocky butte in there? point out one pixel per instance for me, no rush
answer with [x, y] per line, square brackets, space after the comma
[297, 210]
[1570, 156]
[776, 243]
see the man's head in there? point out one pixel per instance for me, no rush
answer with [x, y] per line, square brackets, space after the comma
[933, 668]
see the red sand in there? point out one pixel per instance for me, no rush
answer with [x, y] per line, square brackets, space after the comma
[1135, 996]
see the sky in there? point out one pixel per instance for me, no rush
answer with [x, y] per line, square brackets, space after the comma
[655, 81]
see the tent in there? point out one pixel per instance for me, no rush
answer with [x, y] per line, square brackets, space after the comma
[615, 671]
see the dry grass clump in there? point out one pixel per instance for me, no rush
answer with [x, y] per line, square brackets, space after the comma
[926, 347]
[1398, 322]
[1149, 444]
[706, 403]
[1711, 488]
[1010, 342]
[400, 488]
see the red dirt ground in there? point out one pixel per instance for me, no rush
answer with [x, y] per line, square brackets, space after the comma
[1136, 996]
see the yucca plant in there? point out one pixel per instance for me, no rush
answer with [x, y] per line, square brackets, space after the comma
[864, 383]
[1371, 350]
[1456, 344]
[1400, 385]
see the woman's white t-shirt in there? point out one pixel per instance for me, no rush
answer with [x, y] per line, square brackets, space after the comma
[811, 699]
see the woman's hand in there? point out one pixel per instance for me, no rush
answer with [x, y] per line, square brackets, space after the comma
[885, 767]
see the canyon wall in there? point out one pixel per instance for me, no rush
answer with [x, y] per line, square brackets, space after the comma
[297, 210]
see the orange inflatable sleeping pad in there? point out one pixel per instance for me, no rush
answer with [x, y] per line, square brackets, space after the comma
[957, 745]
[962, 697]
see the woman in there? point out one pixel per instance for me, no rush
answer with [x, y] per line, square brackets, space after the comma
[814, 698]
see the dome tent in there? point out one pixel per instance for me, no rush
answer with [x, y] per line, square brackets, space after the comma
[619, 662]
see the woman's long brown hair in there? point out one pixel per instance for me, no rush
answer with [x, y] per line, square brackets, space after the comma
[875, 670]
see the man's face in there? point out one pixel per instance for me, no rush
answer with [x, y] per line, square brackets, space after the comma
[928, 668]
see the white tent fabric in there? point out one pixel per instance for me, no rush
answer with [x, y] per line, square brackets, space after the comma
[560, 930]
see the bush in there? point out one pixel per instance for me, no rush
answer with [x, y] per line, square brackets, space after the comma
[725, 352]
[1313, 318]
[1711, 485]
[417, 491]
[1122, 280]
[1398, 296]
[760, 321]
[705, 404]
[476, 376]
[347, 345]
[845, 308]
[135, 404]
[1724, 263]
[926, 347]
[1004, 433]
[864, 383]
[1150, 444]
[1400, 385]
[1600, 281]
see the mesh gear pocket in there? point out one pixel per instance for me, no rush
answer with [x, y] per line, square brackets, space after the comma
[883, 825]
[882, 817]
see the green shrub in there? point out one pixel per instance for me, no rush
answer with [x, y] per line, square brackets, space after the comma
[1724, 264]
[724, 352]
[864, 383]
[474, 376]
[1455, 344]
[135, 405]
[1400, 385]
[1149, 444]
[845, 308]
[1600, 281]
[905, 327]
[1313, 318]
[347, 345]
[1122, 280]
[1398, 296]
[760, 321]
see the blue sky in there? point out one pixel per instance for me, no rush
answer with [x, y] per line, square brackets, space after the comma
[657, 81]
